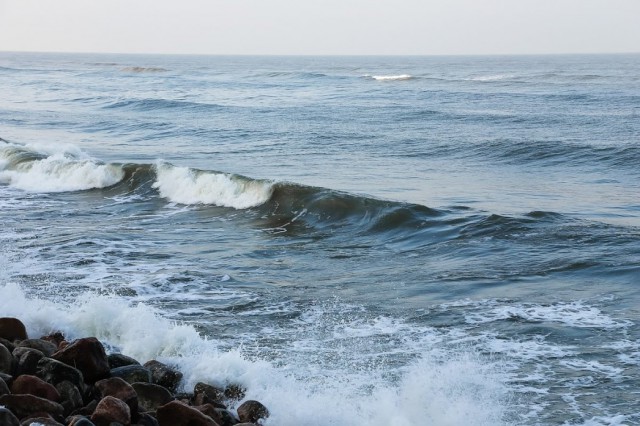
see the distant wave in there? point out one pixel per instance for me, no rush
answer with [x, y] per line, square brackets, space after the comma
[155, 104]
[144, 69]
[491, 77]
[398, 77]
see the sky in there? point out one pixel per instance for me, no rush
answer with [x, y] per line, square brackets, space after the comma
[321, 27]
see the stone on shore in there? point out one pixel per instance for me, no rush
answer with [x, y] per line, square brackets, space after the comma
[163, 375]
[207, 394]
[151, 396]
[119, 360]
[7, 362]
[12, 329]
[178, 414]
[118, 388]
[47, 348]
[7, 418]
[88, 356]
[27, 405]
[132, 373]
[252, 411]
[79, 421]
[32, 385]
[41, 421]
[111, 410]
[54, 372]
[4, 388]
[27, 359]
[71, 396]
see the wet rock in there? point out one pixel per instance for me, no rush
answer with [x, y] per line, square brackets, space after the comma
[118, 388]
[219, 415]
[54, 372]
[12, 329]
[32, 385]
[7, 362]
[27, 405]
[119, 360]
[178, 414]
[79, 421]
[87, 410]
[163, 375]
[4, 388]
[7, 378]
[41, 421]
[7, 418]
[251, 411]
[151, 396]
[47, 348]
[28, 359]
[235, 392]
[132, 373]
[147, 420]
[7, 344]
[207, 394]
[55, 338]
[88, 356]
[111, 410]
[70, 395]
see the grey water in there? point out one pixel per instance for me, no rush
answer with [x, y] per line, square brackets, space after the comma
[394, 234]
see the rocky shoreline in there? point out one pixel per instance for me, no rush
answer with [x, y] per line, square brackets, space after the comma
[53, 382]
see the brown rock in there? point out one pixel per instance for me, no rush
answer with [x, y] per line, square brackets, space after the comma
[119, 360]
[32, 385]
[147, 419]
[47, 348]
[55, 338]
[54, 372]
[7, 344]
[86, 410]
[252, 411]
[7, 418]
[71, 396]
[111, 410]
[221, 416]
[28, 359]
[207, 394]
[132, 373]
[151, 396]
[235, 392]
[118, 388]
[163, 375]
[178, 414]
[88, 356]
[79, 421]
[12, 329]
[26, 405]
[7, 362]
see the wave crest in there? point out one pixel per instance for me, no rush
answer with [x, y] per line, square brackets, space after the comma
[398, 77]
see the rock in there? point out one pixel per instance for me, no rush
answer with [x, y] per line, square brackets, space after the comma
[86, 410]
[7, 378]
[7, 362]
[55, 338]
[118, 388]
[32, 385]
[28, 359]
[4, 389]
[7, 344]
[26, 405]
[70, 395]
[79, 421]
[119, 360]
[47, 348]
[207, 394]
[54, 372]
[163, 375]
[111, 410]
[88, 356]
[40, 421]
[12, 329]
[235, 392]
[252, 411]
[7, 418]
[178, 414]
[147, 420]
[151, 396]
[132, 373]
[219, 415]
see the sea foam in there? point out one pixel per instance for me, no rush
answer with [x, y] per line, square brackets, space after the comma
[392, 77]
[184, 185]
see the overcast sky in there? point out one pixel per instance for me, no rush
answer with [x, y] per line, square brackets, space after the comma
[310, 27]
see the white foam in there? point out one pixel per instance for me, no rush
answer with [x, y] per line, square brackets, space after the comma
[441, 387]
[398, 77]
[188, 186]
[492, 77]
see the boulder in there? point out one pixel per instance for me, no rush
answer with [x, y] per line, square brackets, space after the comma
[119, 360]
[235, 392]
[219, 415]
[7, 378]
[70, 395]
[178, 414]
[54, 372]
[151, 396]
[28, 359]
[252, 411]
[79, 421]
[47, 348]
[12, 329]
[87, 410]
[207, 394]
[88, 356]
[132, 373]
[111, 410]
[55, 338]
[32, 385]
[7, 344]
[7, 362]
[27, 405]
[147, 420]
[40, 421]
[163, 375]
[4, 389]
[118, 388]
[7, 418]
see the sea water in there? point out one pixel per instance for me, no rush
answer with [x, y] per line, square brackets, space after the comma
[355, 240]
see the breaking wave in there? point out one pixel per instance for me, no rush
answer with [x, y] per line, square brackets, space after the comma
[398, 77]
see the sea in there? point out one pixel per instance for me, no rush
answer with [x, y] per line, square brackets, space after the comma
[385, 241]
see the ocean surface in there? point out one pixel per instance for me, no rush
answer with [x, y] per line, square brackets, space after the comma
[356, 240]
